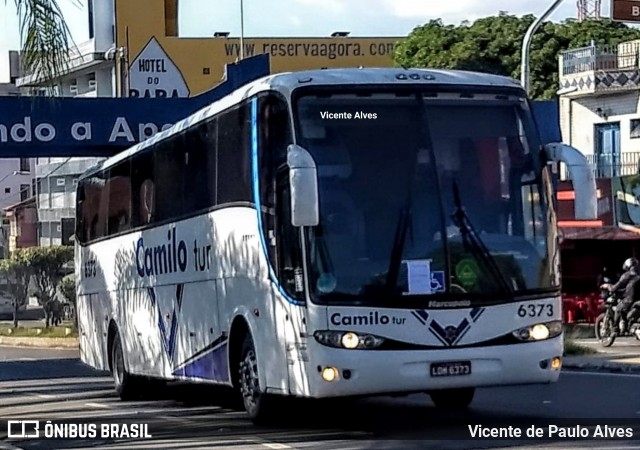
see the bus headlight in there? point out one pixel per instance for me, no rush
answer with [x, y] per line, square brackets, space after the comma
[348, 340]
[539, 331]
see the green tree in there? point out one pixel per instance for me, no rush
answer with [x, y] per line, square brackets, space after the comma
[16, 274]
[45, 37]
[48, 265]
[494, 45]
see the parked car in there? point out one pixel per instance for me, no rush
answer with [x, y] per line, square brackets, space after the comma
[6, 306]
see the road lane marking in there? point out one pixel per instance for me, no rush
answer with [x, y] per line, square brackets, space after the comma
[599, 374]
[45, 396]
[97, 405]
[275, 445]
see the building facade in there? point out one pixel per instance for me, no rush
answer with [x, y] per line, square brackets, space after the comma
[16, 174]
[600, 105]
[91, 74]
[23, 224]
[599, 101]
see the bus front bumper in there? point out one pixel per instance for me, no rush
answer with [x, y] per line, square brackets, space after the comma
[369, 372]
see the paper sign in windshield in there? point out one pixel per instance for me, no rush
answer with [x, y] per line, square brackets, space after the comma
[419, 276]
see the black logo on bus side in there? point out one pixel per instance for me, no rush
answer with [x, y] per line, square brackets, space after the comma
[90, 268]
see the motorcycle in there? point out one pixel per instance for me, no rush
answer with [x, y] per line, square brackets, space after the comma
[605, 322]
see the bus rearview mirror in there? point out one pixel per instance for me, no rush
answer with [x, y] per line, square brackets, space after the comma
[303, 179]
[582, 177]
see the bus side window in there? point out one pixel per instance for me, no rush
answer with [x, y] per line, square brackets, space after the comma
[81, 214]
[234, 156]
[99, 217]
[274, 136]
[289, 249]
[169, 179]
[199, 149]
[142, 190]
[146, 202]
[119, 197]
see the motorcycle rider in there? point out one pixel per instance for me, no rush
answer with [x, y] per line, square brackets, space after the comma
[630, 282]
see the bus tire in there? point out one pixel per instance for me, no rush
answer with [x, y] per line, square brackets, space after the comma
[256, 403]
[124, 383]
[459, 398]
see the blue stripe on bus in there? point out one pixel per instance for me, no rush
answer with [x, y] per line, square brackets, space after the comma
[172, 335]
[213, 365]
[256, 198]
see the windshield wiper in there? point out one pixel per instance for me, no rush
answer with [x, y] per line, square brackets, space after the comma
[472, 242]
[398, 247]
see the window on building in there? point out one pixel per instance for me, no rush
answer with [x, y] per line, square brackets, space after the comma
[635, 128]
[91, 19]
[25, 165]
[24, 191]
[7, 190]
[60, 182]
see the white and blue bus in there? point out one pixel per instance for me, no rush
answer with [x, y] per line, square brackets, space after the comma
[331, 233]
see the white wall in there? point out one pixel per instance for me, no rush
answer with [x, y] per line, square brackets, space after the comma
[11, 181]
[578, 131]
[103, 22]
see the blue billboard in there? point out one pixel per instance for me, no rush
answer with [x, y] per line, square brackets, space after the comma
[48, 127]
[45, 126]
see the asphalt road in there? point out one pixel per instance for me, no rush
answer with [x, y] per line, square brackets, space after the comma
[54, 385]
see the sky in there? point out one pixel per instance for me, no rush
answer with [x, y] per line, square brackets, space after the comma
[300, 18]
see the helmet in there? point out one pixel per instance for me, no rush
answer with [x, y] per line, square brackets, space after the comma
[630, 263]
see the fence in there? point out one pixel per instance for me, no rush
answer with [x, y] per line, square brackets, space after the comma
[606, 57]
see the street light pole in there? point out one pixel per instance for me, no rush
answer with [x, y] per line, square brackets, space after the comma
[526, 44]
[241, 29]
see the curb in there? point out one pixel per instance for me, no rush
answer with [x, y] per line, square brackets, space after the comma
[608, 367]
[68, 343]
[579, 331]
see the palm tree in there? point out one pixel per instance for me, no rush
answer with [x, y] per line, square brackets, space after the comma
[45, 37]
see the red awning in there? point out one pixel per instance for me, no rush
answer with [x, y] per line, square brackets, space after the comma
[621, 233]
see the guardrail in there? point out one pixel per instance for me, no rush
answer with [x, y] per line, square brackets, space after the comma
[606, 57]
[610, 165]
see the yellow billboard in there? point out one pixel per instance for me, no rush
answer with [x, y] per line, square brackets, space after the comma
[159, 63]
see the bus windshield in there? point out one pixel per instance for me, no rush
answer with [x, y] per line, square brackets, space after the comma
[426, 196]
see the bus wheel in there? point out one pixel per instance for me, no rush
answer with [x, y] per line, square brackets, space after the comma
[459, 398]
[256, 403]
[124, 382]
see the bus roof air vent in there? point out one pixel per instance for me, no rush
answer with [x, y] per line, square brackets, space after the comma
[305, 80]
[401, 76]
[414, 76]
[428, 76]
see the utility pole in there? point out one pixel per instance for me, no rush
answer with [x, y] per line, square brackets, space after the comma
[241, 29]
[526, 44]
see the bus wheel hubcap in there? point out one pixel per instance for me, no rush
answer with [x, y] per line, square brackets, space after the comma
[249, 378]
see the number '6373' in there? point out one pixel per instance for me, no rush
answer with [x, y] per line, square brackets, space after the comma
[536, 310]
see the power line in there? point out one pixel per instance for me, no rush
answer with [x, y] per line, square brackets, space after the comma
[65, 162]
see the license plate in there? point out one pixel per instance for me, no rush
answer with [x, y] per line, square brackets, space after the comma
[450, 368]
